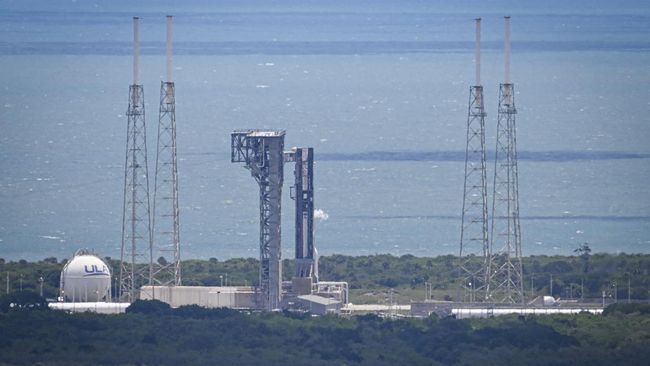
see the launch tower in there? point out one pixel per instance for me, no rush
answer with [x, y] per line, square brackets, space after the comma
[262, 154]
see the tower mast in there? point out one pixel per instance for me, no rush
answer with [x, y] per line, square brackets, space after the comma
[136, 220]
[506, 271]
[166, 264]
[474, 258]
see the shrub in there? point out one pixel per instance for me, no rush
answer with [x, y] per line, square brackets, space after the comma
[148, 307]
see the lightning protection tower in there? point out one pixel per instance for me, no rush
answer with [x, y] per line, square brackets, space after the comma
[303, 194]
[506, 274]
[262, 154]
[166, 264]
[135, 255]
[473, 259]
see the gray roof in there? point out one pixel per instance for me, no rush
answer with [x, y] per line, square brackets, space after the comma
[319, 299]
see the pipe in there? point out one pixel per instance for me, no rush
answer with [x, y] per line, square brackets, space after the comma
[507, 49]
[136, 48]
[477, 52]
[169, 48]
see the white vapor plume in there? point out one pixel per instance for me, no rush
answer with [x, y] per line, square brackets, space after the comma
[321, 215]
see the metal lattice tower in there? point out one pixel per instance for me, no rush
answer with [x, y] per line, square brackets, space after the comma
[166, 264]
[473, 259]
[303, 194]
[135, 255]
[262, 152]
[506, 273]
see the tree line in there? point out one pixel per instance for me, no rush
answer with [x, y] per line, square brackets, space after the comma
[583, 275]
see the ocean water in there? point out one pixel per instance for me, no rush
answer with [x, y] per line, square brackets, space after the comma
[379, 89]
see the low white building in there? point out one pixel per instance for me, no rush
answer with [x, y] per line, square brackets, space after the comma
[90, 307]
[236, 297]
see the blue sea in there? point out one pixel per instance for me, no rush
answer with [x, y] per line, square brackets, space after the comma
[378, 88]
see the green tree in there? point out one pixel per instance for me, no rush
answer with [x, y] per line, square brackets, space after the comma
[148, 307]
[584, 251]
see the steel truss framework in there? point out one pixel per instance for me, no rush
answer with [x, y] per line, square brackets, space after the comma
[506, 274]
[136, 224]
[474, 257]
[262, 153]
[303, 194]
[166, 264]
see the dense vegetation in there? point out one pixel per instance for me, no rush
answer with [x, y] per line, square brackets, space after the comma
[153, 334]
[371, 277]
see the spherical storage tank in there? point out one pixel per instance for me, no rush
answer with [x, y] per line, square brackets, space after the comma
[86, 278]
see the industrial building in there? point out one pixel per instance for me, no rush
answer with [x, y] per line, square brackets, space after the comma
[318, 305]
[235, 297]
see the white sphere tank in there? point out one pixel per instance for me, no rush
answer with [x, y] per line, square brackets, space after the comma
[549, 300]
[86, 278]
